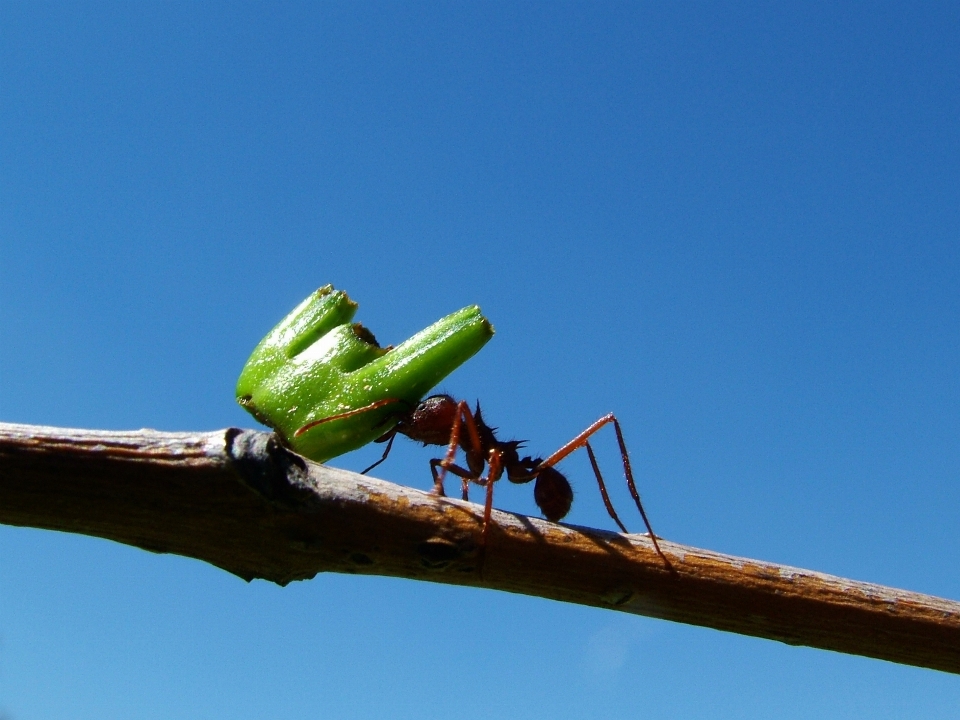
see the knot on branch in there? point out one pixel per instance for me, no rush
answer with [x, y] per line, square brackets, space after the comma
[270, 469]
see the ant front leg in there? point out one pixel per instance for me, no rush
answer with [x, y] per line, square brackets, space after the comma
[582, 440]
[462, 417]
[465, 476]
[390, 436]
[496, 467]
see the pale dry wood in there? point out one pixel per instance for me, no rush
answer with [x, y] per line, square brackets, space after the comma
[239, 500]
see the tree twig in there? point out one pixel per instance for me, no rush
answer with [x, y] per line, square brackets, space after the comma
[239, 500]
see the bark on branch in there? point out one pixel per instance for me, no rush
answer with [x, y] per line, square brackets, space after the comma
[239, 500]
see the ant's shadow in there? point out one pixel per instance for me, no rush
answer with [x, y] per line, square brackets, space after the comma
[607, 540]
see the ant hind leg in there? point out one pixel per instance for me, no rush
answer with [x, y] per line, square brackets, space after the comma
[581, 440]
[603, 488]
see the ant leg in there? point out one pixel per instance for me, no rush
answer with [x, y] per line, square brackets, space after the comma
[348, 413]
[630, 484]
[393, 436]
[494, 464]
[494, 469]
[581, 441]
[460, 472]
[603, 488]
[468, 477]
[463, 417]
[447, 461]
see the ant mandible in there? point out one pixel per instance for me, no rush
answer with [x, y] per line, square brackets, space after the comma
[442, 420]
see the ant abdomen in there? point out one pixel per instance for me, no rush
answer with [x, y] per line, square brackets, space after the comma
[552, 493]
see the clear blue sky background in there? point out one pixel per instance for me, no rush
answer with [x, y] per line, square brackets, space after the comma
[735, 225]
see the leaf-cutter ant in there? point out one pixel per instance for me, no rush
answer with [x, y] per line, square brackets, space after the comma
[442, 420]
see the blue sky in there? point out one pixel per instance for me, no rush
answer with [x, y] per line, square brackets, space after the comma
[737, 226]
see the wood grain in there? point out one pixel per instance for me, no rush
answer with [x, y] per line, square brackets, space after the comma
[241, 501]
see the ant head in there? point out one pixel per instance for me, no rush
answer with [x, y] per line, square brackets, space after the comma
[440, 399]
[430, 421]
[553, 493]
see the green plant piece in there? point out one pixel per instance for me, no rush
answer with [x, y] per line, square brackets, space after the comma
[316, 364]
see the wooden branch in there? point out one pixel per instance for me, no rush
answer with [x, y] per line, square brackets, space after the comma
[239, 500]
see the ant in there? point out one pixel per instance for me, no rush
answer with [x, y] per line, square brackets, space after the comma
[442, 420]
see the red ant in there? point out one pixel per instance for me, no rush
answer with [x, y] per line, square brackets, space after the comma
[440, 420]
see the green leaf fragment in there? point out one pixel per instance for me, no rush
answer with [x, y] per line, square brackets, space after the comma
[315, 364]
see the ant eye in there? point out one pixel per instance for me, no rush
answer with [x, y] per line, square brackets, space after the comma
[553, 494]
